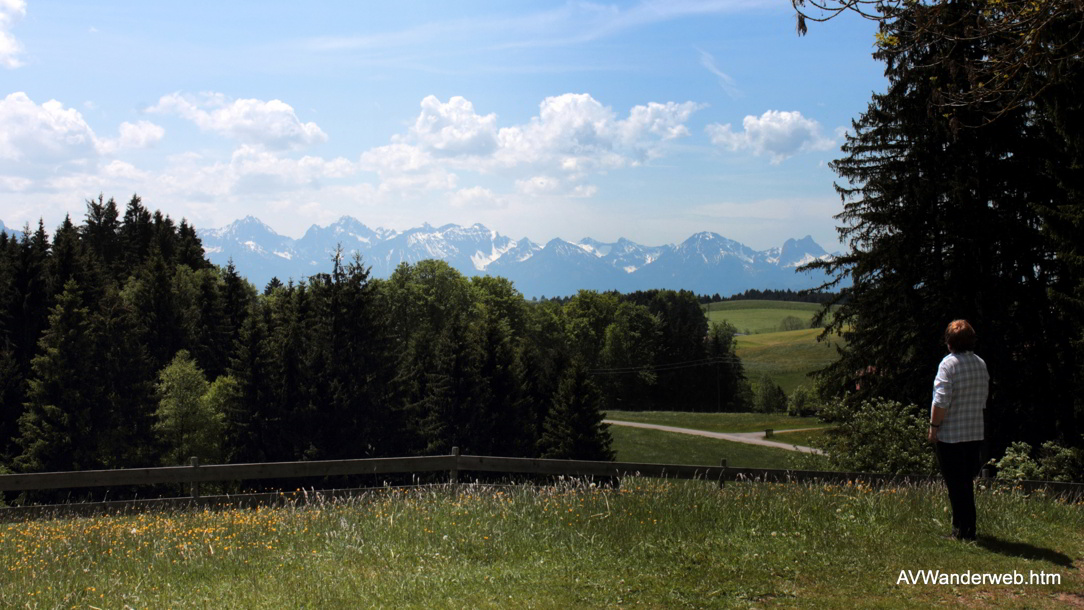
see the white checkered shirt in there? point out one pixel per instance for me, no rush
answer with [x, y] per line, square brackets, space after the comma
[961, 387]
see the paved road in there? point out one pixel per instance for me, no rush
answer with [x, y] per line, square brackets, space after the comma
[749, 438]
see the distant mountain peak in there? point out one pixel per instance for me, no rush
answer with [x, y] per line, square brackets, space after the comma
[705, 263]
[798, 252]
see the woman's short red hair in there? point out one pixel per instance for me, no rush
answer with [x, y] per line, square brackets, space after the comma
[960, 337]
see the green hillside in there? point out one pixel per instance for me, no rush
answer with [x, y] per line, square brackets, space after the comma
[752, 317]
[787, 357]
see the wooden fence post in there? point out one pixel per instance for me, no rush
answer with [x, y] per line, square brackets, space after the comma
[193, 487]
[453, 476]
[722, 475]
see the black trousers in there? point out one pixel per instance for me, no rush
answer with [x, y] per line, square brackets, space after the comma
[960, 463]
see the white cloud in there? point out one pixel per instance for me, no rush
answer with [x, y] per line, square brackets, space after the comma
[538, 185]
[775, 133]
[14, 184]
[52, 148]
[454, 128]
[11, 11]
[477, 197]
[584, 191]
[541, 186]
[141, 134]
[51, 160]
[254, 161]
[273, 124]
[729, 85]
[405, 166]
[664, 120]
[572, 136]
[252, 169]
[576, 133]
[32, 134]
[125, 170]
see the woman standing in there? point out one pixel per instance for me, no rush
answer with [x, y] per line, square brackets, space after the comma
[956, 423]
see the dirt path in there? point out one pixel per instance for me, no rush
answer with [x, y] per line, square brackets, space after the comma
[749, 438]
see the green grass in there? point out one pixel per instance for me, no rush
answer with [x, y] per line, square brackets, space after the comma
[785, 357]
[656, 544]
[806, 438]
[658, 447]
[717, 422]
[752, 317]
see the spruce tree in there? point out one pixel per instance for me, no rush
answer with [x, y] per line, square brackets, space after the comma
[126, 407]
[101, 234]
[11, 381]
[136, 233]
[573, 428]
[58, 429]
[189, 248]
[254, 423]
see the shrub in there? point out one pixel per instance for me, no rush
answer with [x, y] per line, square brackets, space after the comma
[793, 323]
[1017, 464]
[1054, 463]
[802, 402]
[878, 435]
[769, 398]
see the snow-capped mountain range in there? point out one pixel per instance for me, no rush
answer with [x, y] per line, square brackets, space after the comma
[706, 263]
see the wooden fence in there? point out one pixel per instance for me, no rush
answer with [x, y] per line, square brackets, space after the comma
[455, 465]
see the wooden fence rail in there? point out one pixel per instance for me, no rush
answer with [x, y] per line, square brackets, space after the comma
[454, 464]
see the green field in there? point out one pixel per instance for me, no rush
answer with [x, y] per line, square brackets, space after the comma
[651, 543]
[659, 447]
[786, 357]
[717, 422]
[754, 316]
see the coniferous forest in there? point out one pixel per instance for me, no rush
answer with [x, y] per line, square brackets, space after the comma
[122, 346]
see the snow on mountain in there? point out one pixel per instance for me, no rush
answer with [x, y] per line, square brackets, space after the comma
[468, 249]
[594, 246]
[798, 252]
[624, 254]
[706, 263]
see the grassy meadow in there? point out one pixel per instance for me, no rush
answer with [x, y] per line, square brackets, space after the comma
[659, 447]
[786, 357]
[659, 544]
[717, 422]
[751, 317]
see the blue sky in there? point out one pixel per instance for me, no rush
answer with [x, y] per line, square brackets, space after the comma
[644, 120]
